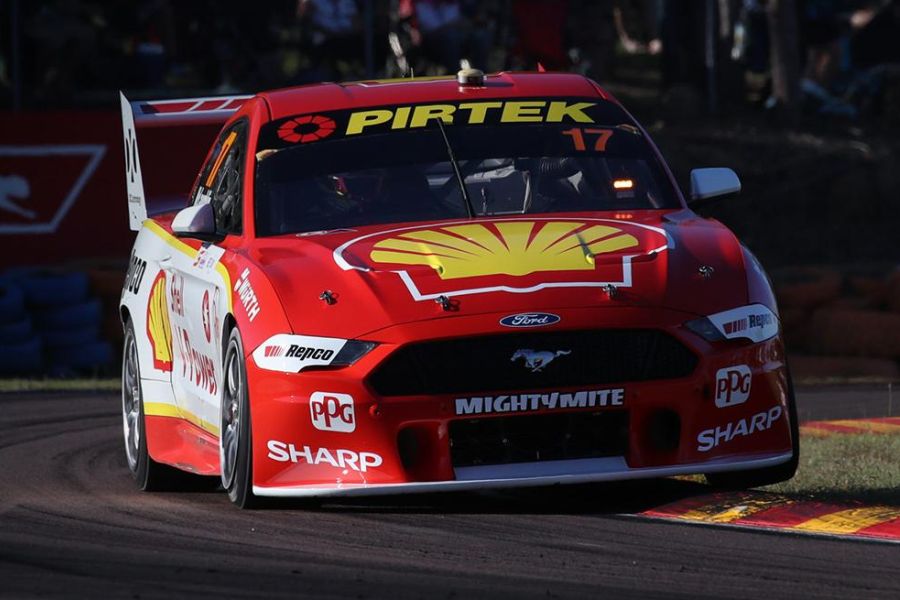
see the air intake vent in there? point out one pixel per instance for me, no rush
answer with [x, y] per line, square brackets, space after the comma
[532, 361]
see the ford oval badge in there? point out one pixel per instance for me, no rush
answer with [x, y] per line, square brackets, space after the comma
[535, 319]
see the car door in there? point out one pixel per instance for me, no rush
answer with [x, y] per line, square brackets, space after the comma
[199, 285]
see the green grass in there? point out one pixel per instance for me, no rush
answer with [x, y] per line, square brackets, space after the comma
[58, 385]
[863, 467]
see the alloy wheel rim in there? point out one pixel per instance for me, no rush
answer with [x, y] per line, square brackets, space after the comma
[131, 403]
[231, 415]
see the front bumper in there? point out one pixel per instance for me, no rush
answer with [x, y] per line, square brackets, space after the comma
[522, 475]
[402, 444]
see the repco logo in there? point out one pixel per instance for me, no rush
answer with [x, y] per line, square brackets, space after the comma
[332, 412]
[732, 385]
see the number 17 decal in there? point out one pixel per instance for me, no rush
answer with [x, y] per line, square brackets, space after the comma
[578, 136]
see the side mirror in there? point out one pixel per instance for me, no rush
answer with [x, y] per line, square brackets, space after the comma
[707, 184]
[195, 221]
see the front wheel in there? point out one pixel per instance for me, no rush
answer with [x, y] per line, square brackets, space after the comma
[236, 442]
[778, 473]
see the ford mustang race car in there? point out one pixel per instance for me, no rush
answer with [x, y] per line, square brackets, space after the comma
[442, 284]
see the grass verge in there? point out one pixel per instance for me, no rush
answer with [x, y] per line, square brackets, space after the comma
[60, 385]
[863, 467]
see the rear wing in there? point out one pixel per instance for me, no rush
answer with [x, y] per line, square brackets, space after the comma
[163, 113]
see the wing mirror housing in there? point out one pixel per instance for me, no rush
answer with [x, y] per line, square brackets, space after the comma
[711, 184]
[197, 221]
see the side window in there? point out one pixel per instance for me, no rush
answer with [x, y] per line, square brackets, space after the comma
[221, 181]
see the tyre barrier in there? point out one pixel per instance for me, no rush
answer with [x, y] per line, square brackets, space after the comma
[76, 316]
[12, 302]
[49, 288]
[806, 287]
[56, 338]
[21, 358]
[16, 331]
[874, 289]
[796, 325]
[107, 283]
[823, 367]
[51, 320]
[854, 332]
[79, 357]
[893, 294]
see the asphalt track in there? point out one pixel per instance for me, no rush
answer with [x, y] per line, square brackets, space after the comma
[73, 525]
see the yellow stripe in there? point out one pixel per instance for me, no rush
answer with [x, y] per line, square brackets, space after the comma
[814, 432]
[161, 409]
[875, 426]
[180, 246]
[851, 520]
[717, 513]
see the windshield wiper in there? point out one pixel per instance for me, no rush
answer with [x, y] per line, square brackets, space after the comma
[470, 211]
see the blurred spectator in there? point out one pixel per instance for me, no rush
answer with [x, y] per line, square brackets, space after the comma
[80, 52]
[539, 28]
[63, 38]
[446, 31]
[153, 45]
[335, 34]
[593, 37]
[877, 40]
[682, 34]
[638, 25]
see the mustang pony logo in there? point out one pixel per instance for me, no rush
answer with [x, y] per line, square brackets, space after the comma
[518, 255]
[537, 360]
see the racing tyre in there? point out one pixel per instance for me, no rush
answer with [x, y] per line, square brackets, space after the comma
[149, 474]
[738, 480]
[47, 288]
[24, 357]
[236, 441]
[89, 356]
[12, 302]
[16, 331]
[84, 314]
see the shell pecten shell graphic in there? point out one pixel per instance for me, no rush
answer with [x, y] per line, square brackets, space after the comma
[515, 248]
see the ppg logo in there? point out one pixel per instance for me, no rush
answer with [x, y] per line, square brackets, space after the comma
[332, 412]
[732, 385]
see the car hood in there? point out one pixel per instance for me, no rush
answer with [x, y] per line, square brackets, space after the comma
[352, 283]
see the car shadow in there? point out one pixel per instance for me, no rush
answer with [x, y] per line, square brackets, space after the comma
[628, 497]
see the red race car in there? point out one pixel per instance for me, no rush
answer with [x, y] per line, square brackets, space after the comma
[442, 284]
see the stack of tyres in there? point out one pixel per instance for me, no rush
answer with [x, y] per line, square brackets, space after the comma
[105, 282]
[65, 321]
[21, 351]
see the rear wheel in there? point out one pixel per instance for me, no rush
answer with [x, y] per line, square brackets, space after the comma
[149, 474]
[778, 473]
[236, 444]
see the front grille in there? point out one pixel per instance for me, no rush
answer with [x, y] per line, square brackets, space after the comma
[505, 440]
[484, 364]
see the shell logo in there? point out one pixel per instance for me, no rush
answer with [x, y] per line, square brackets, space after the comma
[515, 248]
[309, 128]
[159, 330]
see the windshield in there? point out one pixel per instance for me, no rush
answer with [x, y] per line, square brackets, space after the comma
[332, 171]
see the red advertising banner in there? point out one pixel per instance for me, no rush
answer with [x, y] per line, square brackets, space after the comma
[62, 183]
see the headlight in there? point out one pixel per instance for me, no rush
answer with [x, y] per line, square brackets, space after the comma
[705, 329]
[754, 322]
[293, 353]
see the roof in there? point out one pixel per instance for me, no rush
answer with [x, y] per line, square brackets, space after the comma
[338, 96]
